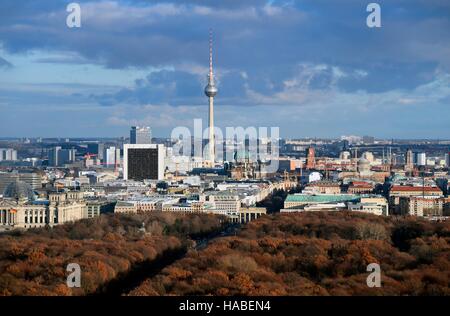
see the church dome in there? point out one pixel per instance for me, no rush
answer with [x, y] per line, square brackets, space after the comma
[363, 165]
[363, 161]
[18, 190]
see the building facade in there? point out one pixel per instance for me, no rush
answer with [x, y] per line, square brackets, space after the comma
[60, 208]
[8, 154]
[375, 205]
[143, 162]
[140, 135]
[96, 208]
[323, 187]
[420, 206]
[397, 192]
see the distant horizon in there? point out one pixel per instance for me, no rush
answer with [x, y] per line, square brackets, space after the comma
[167, 137]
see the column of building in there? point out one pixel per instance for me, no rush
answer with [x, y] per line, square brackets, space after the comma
[7, 217]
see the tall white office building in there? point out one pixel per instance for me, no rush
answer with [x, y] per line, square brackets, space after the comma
[111, 157]
[421, 159]
[140, 135]
[8, 154]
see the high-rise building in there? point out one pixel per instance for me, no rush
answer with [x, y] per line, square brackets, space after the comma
[345, 145]
[96, 149]
[112, 157]
[140, 135]
[66, 156]
[117, 158]
[59, 157]
[143, 162]
[53, 156]
[8, 154]
[211, 91]
[447, 159]
[310, 158]
[31, 178]
[109, 157]
[13, 155]
[421, 159]
[409, 160]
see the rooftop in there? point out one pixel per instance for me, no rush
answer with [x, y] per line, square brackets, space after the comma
[324, 183]
[415, 188]
[321, 198]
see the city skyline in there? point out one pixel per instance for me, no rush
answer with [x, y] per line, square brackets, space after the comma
[313, 69]
[225, 154]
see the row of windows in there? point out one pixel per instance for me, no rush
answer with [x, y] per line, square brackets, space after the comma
[37, 219]
[30, 212]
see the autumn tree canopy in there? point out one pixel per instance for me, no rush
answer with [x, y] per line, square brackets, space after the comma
[315, 253]
[34, 262]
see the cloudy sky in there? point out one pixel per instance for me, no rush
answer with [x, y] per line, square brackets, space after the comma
[311, 67]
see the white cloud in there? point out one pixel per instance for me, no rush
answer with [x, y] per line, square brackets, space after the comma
[297, 92]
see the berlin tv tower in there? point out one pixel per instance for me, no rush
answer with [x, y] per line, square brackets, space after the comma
[211, 91]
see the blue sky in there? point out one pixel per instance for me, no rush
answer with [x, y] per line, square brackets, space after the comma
[311, 67]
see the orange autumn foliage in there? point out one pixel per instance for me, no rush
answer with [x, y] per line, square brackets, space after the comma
[316, 253]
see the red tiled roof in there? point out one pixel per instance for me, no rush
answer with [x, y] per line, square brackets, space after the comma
[414, 189]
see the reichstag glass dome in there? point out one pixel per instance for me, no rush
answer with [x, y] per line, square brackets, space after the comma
[19, 190]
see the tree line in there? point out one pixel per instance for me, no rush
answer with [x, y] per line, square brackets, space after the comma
[34, 262]
[315, 253]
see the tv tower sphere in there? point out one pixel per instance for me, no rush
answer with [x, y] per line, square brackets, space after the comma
[210, 90]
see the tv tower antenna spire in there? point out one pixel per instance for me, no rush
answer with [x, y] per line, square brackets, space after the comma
[211, 75]
[211, 91]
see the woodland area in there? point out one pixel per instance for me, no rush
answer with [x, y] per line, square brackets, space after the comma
[34, 262]
[315, 253]
[311, 253]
